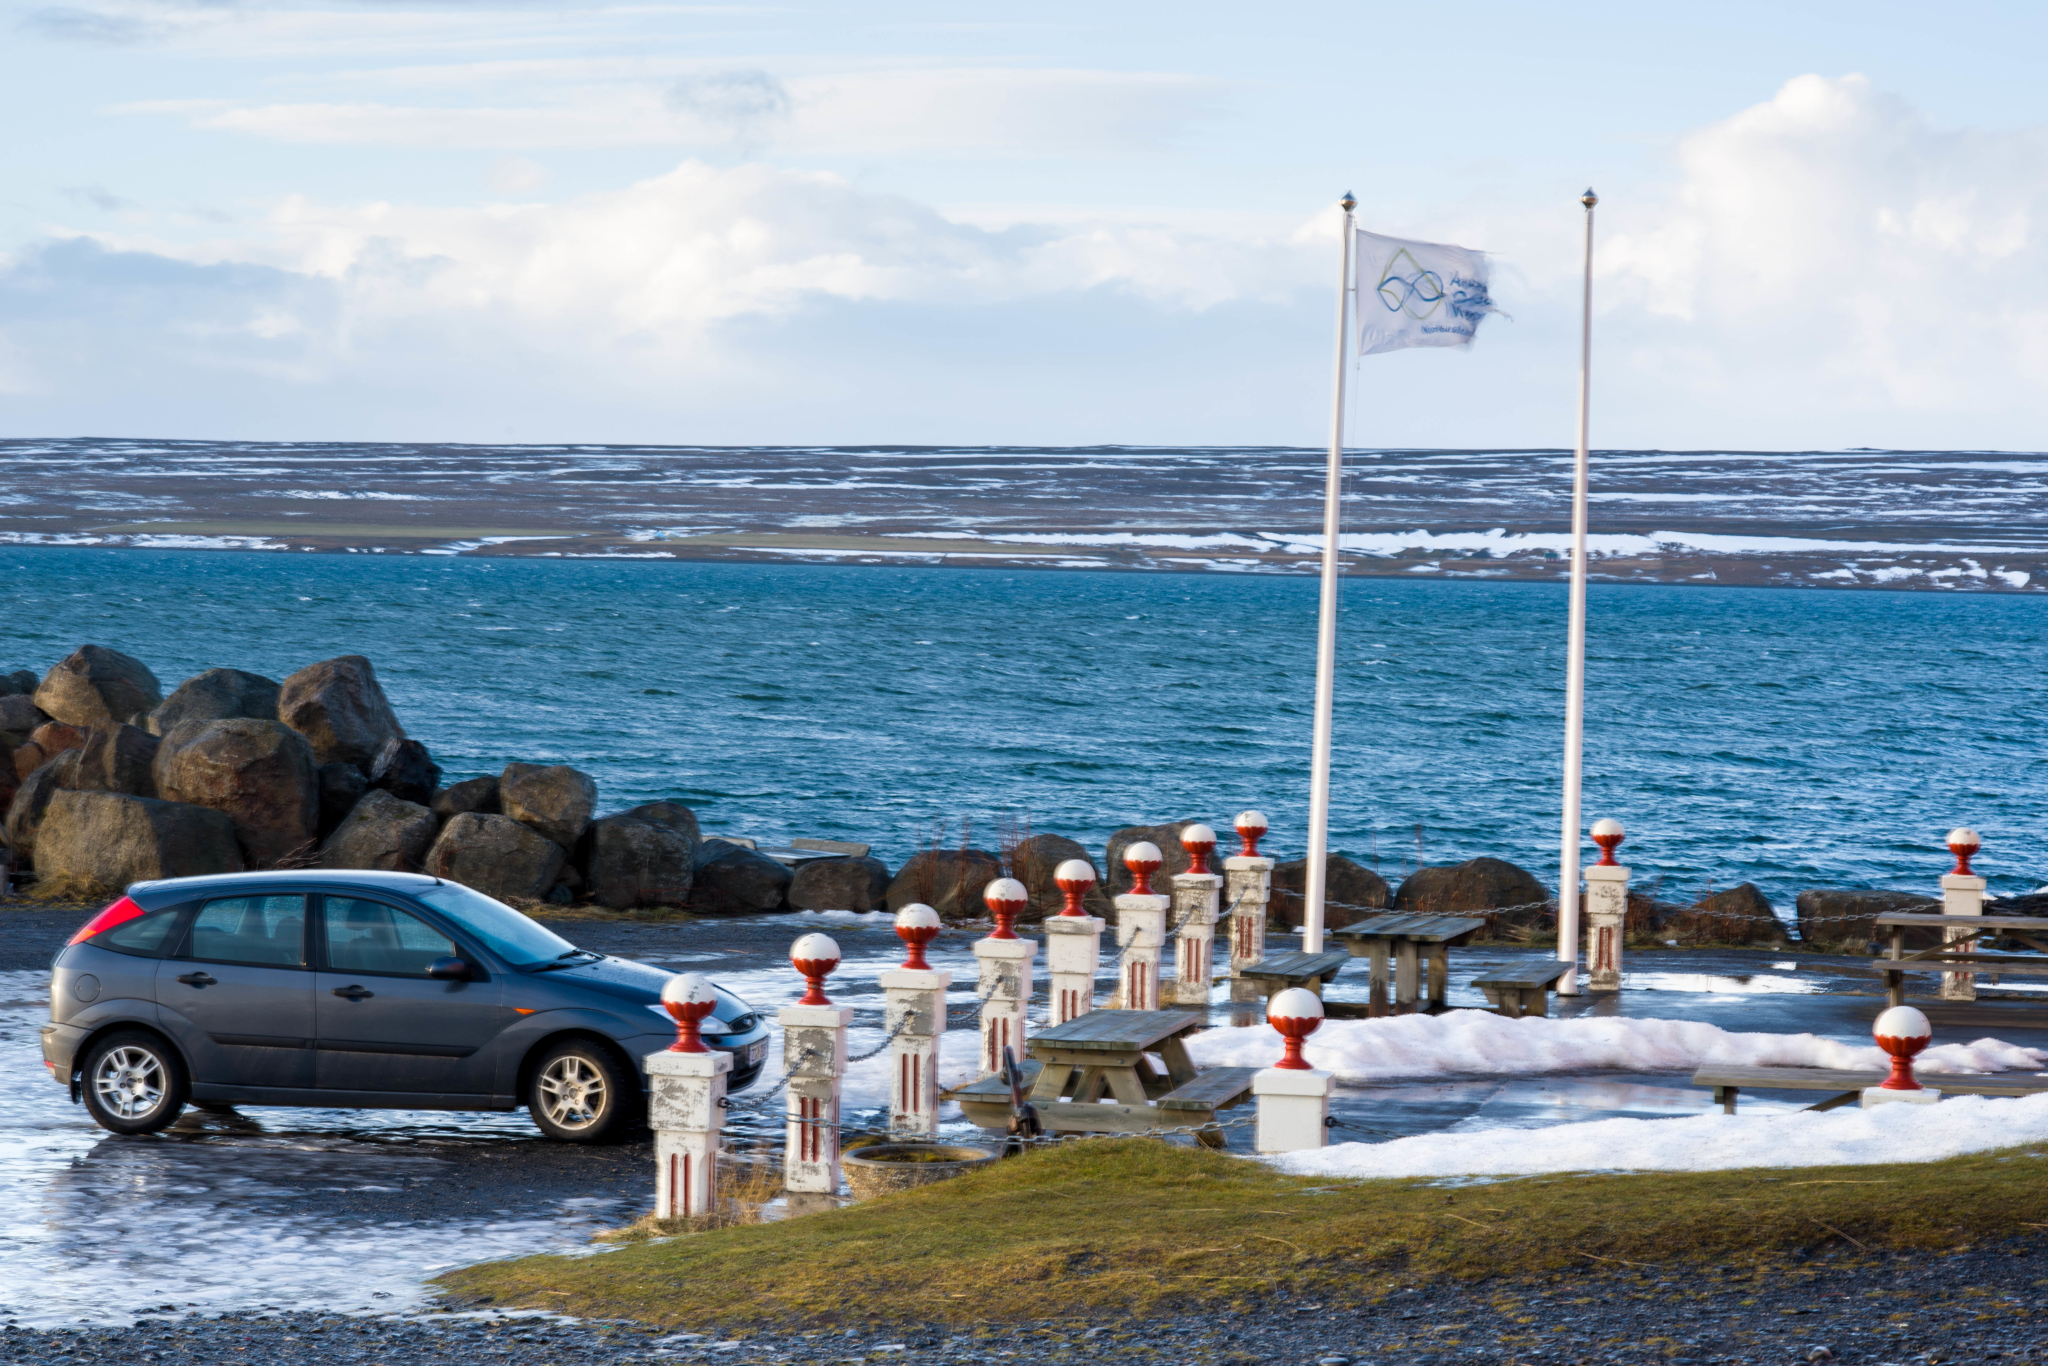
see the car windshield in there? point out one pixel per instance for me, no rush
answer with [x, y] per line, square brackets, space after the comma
[521, 942]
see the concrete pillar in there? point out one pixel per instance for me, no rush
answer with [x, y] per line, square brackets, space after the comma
[1962, 893]
[1141, 930]
[814, 1055]
[1247, 888]
[1196, 894]
[1005, 978]
[1606, 910]
[686, 1105]
[1293, 1097]
[1073, 944]
[914, 1005]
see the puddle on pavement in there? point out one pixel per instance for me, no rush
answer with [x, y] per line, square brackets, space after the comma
[1716, 984]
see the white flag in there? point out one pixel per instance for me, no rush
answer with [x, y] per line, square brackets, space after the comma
[1418, 294]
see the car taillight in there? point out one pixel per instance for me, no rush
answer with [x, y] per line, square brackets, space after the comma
[120, 913]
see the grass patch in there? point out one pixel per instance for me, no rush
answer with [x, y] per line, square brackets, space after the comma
[1140, 1226]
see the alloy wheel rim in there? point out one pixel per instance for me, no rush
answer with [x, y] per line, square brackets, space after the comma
[129, 1082]
[572, 1093]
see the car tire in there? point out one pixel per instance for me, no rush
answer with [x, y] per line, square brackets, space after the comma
[581, 1092]
[134, 1083]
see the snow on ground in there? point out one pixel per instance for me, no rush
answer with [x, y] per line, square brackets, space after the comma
[1712, 1142]
[1480, 1043]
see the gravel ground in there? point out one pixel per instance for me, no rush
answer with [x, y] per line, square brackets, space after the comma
[1982, 1305]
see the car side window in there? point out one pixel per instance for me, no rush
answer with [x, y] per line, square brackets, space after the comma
[145, 936]
[266, 931]
[370, 936]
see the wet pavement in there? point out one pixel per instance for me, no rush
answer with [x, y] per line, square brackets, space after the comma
[284, 1210]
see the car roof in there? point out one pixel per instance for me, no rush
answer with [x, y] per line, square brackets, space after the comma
[170, 891]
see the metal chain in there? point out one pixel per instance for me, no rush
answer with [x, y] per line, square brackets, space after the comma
[1548, 906]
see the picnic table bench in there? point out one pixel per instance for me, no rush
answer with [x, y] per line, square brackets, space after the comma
[1072, 1066]
[1959, 950]
[1519, 991]
[1296, 969]
[1414, 944]
[1847, 1083]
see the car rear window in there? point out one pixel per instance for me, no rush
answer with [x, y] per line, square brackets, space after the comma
[520, 942]
[143, 936]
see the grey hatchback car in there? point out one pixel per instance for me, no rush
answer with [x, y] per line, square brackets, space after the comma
[357, 989]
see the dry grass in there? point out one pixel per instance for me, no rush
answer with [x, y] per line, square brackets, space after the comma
[746, 1187]
[55, 890]
[1138, 1226]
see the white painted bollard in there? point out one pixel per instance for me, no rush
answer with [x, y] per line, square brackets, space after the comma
[814, 1055]
[1902, 1032]
[1195, 896]
[686, 1104]
[914, 1005]
[1962, 893]
[1606, 909]
[1141, 929]
[1247, 888]
[1073, 944]
[1293, 1097]
[1004, 984]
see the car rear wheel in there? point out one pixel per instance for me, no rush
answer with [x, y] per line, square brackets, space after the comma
[581, 1093]
[134, 1083]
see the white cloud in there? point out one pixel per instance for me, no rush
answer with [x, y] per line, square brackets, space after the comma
[515, 175]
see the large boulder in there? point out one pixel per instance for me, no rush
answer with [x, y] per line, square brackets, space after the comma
[497, 856]
[840, 884]
[1032, 862]
[341, 787]
[25, 814]
[1843, 920]
[1167, 837]
[94, 684]
[261, 773]
[554, 799]
[630, 862]
[216, 695]
[1351, 892]
[405, 770]
[471, 794]
[118, 758]
[947, 880]
[339, 707]
[674, 815]
[10, 781]
[1740, 915]
[382, 832]
[731, 879]
[20, 683]
[1481, 884]
[110, 839]
[19, 716]
[45, 743]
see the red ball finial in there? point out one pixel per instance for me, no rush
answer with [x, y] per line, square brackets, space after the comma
[1074, 877]
[1200, 842]
[1297, 1013]
[814, 955]
[1963, 842]
[917, 925]
[1250, 826]
[1902, 1032]
[688, 998]
[1607, 833]
[1143, 859]
[1006, 898]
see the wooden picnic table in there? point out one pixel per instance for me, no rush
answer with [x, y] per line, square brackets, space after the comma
[1959, 951]
[1847, 1083]
[1411, 942]
[1104, 1051]
[1296, 969]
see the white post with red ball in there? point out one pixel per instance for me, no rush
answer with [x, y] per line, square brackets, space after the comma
[1606, 909]
[1005, 985]
[1073, 943]
[814, 1056]
[1195, 896]
[914, 1005]
[1902, 1032]
[1247, 888]
[686, 1104]
[1293, 1097]
[1962, 893]
[1141, 929]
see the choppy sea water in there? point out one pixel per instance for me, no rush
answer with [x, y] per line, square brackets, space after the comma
[1790, 738]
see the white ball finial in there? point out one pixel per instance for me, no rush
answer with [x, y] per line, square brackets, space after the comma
[917, 916]
[815, 948]
[1074, 870]
[1607, 825]
[1250, 820]
[688, 989]
[1295, 1003]
[1144, 851]
[1902, 1022]
[1004, 889]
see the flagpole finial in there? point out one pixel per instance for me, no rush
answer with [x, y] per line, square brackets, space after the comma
[1589, 199]
[1349, 203]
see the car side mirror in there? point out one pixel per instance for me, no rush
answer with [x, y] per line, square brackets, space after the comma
[448, 970]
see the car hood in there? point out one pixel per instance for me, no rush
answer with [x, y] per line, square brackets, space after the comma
[633, 983]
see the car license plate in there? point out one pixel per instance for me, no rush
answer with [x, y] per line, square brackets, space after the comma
[756, 1051]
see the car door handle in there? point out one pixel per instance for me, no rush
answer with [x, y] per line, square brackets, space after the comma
[196, 979]
[353, 992]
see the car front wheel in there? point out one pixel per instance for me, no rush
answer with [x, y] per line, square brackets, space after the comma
[134, 1083]
[580, 1093]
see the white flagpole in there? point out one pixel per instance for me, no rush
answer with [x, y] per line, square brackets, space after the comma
[1575, 659]
[1326, 623]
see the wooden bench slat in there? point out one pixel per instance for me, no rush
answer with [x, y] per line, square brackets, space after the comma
[1855, 1079]
[1540, 975]
[994, 1086]
[1216, 1087]
[1906, 919]
[1298, 966]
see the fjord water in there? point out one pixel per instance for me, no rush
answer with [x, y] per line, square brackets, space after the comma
[1791, 738]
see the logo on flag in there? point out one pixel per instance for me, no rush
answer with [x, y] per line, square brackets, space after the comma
[1422, 294]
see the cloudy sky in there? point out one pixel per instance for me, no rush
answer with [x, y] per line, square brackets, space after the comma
[1821, 224]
